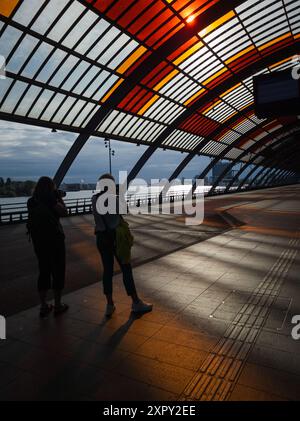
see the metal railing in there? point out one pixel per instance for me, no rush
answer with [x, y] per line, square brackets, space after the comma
[11, 213]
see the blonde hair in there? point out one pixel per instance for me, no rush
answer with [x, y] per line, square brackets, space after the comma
[106, 176]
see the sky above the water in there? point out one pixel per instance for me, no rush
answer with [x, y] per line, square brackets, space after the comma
[28, 152]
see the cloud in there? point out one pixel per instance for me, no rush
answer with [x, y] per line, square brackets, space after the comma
[28, 152]
[22, 142]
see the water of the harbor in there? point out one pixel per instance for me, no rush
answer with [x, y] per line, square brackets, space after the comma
[87, 194]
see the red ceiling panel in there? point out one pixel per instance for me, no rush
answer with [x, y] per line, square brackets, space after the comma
[157, 74]
[199, 125]
[218, 80]
[137, 17]
[244, 61]
[279, 45]
[137, 63]
[128, 98]
[188, 8]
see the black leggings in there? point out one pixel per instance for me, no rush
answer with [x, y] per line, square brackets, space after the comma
[51, 255]
[105, 244]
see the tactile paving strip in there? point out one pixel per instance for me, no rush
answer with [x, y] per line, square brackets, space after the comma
[220, 370]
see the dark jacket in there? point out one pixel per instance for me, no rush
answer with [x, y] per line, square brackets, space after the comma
[43, 220]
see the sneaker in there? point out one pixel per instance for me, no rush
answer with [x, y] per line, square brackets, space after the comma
[45, 310]
[61, 309]
[141, 307]
[110, 308]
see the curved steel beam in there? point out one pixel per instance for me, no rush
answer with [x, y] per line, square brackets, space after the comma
[285, 178]
[214, 134]
[292, 179]
[221, 156]
[285, 173]
[249, 175]
[282, 175]
[271, 175]
[223, 87]
[185, 34]
[257, 176]
[264, 162]
[196, 151]
[279, 173]
[268, 172]
[248, 151]
[247, 164]
[254, 180]
[289, 158]
[242, 170]
[273, 169]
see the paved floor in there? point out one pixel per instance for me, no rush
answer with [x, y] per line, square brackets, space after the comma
[220, 329]
[155, 236]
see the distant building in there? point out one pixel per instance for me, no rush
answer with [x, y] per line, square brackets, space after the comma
[78, 186]
[218, 169]
[207, 180]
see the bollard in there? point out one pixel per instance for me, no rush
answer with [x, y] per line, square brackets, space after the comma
[2, 327]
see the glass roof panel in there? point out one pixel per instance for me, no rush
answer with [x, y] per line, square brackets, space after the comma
[27, 101]
[83, 26]
[36, 61]
[50, 65]
[71, 14]
[52, 105]
[25, 14]
[49, 14]
[13, 97]
[91, 37]
[21, 53]
[39, 104]
[66, 58]
[8, 40]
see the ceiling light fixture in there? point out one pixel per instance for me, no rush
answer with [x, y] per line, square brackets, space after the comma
[190, 19]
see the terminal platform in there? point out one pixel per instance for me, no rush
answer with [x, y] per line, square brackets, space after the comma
[224, 296]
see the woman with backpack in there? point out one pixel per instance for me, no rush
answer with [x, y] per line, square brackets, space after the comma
[45, 208]
[114, 241]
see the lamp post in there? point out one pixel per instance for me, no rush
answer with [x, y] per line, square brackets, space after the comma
[111, 152]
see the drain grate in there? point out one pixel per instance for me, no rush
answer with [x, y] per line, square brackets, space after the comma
[219, 372]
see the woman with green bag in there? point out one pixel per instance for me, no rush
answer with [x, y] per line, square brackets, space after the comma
[124, 241]
[114, 240]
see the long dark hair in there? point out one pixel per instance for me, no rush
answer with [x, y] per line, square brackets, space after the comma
[44, 190]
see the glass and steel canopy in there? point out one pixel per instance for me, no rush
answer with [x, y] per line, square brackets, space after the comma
[175, 74]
